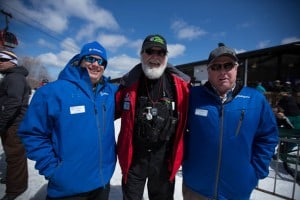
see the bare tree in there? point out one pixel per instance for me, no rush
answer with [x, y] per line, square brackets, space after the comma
[37, 72]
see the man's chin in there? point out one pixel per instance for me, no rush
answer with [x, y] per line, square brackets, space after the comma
[153, 72]
[154, 66]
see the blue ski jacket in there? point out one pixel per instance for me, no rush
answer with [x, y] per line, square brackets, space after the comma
[68, 130]
[228, 146]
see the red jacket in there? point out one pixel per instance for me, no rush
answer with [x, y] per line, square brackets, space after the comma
[125, 108]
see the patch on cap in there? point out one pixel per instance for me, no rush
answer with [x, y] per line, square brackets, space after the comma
[154, 41]
[222, 50]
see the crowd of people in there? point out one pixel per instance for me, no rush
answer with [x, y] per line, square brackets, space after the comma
[223, 134]
[284, 99]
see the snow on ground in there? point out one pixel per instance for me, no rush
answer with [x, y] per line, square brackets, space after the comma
[37, 183]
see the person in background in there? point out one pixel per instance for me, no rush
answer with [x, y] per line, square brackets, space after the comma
[288, 106]
[152, 103]
[43, 82]
[282, 120]
[261, 88]
[231, 134]
[31, 95]
[287, 87]
[288, 117]
[69, 129]
[14, 94]
[277, 86]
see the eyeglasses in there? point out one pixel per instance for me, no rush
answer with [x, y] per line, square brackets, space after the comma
[157, 52]
[226, 66]
[91, 59]
[4, 59]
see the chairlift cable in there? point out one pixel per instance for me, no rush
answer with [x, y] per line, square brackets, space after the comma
[20, 19]
[7, 39]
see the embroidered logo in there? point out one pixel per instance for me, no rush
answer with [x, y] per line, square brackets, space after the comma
[243, 96]
[103, 94]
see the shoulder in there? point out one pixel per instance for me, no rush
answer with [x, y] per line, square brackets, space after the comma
[251, 91]
[196, 88]
[199, 90]
[252, 94]
[113, 87]
[14, 78]
[132, 76]
[177, 74]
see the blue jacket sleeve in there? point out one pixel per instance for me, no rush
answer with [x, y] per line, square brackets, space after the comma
[35, 133]
[265, 141]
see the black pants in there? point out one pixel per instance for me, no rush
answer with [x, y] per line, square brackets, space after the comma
[150, 166]
[101, 193]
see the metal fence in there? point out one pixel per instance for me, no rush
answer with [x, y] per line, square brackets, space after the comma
[288, 155]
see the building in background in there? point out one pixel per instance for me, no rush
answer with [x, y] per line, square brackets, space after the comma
[266, 65]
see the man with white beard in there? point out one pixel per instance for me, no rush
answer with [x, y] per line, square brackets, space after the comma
[152, 103]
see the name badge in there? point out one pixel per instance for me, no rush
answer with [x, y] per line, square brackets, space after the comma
[126, 105]
[77, 109]
[201, 112]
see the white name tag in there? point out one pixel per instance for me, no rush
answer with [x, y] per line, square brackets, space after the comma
[201, 112]
[77, 109]
[126, 105]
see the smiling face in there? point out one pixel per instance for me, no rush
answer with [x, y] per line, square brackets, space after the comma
[154, 62]
[95, 70]
[221, 74]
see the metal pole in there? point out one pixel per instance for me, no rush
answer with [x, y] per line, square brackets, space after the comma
[246, 72]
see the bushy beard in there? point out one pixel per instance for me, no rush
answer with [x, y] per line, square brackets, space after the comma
[155, 72]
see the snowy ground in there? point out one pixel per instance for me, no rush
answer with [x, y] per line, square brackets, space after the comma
[284, 183]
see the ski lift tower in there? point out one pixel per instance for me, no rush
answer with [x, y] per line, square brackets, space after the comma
[7, 39]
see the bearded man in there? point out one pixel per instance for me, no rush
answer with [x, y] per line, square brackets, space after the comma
[152, 103]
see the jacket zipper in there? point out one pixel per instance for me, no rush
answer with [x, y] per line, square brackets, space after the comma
[219, 153]
[100, 133]
[103, 132]
[240, 122]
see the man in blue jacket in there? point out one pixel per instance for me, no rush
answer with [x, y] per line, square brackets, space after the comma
[231, 137]
[69, 128]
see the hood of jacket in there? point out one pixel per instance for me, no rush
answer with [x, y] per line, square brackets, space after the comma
[78, 75]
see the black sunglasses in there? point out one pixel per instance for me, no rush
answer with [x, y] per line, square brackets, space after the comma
[91, 59]
[157, 52]
[4, 59]
[226, 66]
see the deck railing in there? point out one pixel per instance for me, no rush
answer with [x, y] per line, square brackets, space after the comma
[288, 153]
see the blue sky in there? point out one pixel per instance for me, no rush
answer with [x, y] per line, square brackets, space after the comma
[52, 31]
